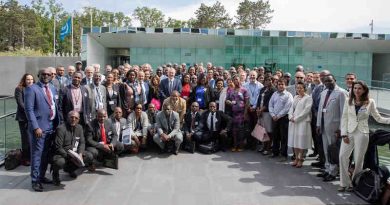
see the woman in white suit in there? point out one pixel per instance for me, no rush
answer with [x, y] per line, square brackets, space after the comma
[138, 123]
[299, 129]
[354, 131]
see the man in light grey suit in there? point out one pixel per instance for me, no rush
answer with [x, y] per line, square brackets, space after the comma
[168, 128]
[97, 95]
[329, 115]
[118, 124]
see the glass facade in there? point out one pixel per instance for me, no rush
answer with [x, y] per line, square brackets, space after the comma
[246, 50]
[250, 48]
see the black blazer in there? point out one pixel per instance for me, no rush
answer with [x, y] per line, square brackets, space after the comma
[223, 122]
[267, 97]
[66, 104]
[93, 135]
[20, 112]
[113, 101]
[188, 120]
[64, 139]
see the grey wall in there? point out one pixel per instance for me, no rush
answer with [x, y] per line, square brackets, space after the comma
[13, 68]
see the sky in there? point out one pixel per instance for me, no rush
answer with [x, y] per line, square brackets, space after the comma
[294, 15]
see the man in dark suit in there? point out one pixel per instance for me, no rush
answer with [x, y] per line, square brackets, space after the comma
[169, 84]
[42, 115]
[168, 129]
[214, 126]
[75, 97]
[191, 123]
[69, 137]
[118, 124]
[88, 79]
[101, 140]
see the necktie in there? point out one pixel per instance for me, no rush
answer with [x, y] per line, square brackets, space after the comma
[326, 98]
[170, 86]
[49, 98]
[103, 133]
[212, 122]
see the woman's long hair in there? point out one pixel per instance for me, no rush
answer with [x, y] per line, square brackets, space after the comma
[22, 82]
[364, 98]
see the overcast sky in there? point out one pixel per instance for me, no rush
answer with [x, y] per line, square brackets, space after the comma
[296, 15]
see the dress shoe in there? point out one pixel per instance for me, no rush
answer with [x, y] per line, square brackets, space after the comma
[37, 187]
[92, 168]
[176, 152]
[46, 181]
[274, 156]
[344, 189]
[56, 182]
[329, 178]
[73, 174]
[265, 152]
[313, 155]
[317, 164]
[323, 174]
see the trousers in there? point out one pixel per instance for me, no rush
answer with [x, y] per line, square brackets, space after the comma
[358, 143]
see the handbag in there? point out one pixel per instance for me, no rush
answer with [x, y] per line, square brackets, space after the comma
[111, 161]
[156, 103]
[260, 133]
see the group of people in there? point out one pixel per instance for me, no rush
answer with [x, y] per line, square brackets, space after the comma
[97, 114]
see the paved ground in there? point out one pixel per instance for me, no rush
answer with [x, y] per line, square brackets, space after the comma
[222, 178]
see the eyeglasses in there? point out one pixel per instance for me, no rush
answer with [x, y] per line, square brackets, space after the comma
[299, 77]
[46, 74]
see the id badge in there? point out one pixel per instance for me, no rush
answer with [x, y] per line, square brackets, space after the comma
[101, 105]
[115, 93]
[111, 102]
[324, 110]
[196, 123]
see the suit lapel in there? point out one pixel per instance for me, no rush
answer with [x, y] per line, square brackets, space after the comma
[40, 87]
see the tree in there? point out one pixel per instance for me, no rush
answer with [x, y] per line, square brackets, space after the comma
[214, 16]
[149, 17]
[253, 14]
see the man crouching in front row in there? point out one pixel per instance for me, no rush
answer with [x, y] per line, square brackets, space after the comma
[69, 140]
[168, 129]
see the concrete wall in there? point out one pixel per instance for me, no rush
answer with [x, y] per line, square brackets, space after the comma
[13, 68]
[97, 53]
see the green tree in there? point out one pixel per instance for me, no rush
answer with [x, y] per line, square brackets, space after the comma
[149, 17]
[253, 14]
[214, 16]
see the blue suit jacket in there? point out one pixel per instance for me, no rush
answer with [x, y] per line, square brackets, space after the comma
[164, 88]
[38, 108]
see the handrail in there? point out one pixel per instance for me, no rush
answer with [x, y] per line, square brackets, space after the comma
[7, 97]
[7, 115]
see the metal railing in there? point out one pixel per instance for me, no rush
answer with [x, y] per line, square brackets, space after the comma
[9, 131]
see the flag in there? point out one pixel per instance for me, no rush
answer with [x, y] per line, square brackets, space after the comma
[66, 29]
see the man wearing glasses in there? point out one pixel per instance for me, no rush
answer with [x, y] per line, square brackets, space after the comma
[41, 111]
[299, 77]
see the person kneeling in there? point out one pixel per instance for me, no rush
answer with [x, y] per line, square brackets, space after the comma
[69, 146]
[168, 129]
[214, 127]
[101, 140]
[138, 124]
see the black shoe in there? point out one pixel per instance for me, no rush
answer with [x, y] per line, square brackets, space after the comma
[73, 174]
[56, 182]
[162, 151]
[313, 155]
[274, 156]
[37, 187]
[176, 152]
[317, 164]
[46, 181]
[323, 174]
[329, 178]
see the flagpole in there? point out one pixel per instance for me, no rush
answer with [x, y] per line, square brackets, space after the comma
[72, 34]
[54, 36]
